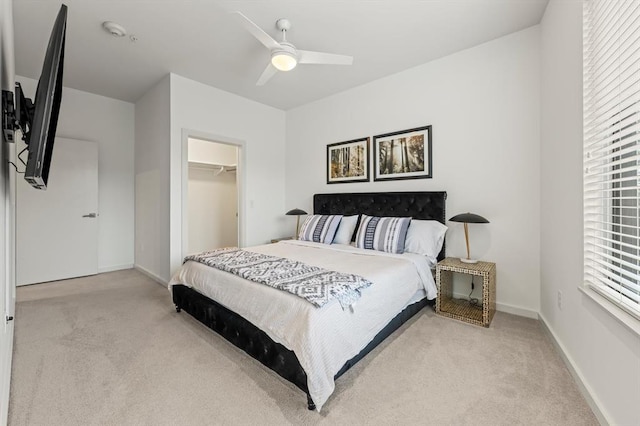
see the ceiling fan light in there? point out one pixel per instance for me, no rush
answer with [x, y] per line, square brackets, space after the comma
[284, 61]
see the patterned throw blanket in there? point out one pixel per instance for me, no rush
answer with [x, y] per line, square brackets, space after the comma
[316, 285]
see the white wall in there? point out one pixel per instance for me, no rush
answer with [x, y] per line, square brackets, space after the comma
[7, 210]
[483, 104]
[212, 152]
[152, 181]
[110, 123]
[261, 131]
[213, 205]
[177, 105]
[604, 353]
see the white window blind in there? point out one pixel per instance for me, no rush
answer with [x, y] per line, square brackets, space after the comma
[612, 150]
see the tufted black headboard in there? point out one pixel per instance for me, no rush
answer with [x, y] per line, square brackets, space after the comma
[419, 205]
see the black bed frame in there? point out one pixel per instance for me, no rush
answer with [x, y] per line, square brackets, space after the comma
[255, 342]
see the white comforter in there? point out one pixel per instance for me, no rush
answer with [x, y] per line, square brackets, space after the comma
[322, 339]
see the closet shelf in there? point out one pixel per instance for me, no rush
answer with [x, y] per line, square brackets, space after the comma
[216, 168]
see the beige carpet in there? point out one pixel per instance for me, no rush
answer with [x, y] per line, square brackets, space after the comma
[110, 349]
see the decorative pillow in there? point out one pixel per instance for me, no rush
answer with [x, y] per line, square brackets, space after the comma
[425, 237]
[382, 233]
[345, 230]
[319, 228]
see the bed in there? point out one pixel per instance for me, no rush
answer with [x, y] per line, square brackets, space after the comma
[307, 346]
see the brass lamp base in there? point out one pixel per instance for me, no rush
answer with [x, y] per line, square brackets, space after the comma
[295, 237]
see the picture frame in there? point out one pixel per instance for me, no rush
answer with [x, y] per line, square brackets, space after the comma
[348, 161]
[403, 155]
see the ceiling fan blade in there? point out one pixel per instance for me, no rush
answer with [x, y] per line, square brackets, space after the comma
[256, 31]
[266, 74]
[309, 57]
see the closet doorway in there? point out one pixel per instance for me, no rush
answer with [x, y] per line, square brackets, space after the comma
[212, 195]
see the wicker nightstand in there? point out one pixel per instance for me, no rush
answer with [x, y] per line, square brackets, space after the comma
[462, 309]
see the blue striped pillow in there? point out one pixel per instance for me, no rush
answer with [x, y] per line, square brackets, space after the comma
[319, 228]
[382, 233]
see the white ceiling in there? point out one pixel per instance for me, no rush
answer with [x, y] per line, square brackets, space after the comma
[198, 39]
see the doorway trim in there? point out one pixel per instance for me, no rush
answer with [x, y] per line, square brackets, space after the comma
[240, 181]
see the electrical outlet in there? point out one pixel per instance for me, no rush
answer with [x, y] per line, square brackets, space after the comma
[559, 300]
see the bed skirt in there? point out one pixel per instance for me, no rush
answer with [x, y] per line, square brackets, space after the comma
[260, 346]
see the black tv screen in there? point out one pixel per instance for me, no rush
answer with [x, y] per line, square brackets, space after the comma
[42, 130]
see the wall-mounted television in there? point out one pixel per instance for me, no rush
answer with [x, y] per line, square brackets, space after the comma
[38, 120]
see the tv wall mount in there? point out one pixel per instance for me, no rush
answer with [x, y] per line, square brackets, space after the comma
[17, 113]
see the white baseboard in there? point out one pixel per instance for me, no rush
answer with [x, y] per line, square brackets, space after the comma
[151, 275]
[503, 307]
[516, 310]
[585, 389]
[115, 268]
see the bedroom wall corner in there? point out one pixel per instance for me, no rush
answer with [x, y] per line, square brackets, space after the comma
[111, 124]
[151, 159]
[603, 353]
[484, 106]
[261, 131]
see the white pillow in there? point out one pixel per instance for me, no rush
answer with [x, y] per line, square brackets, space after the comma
[345, 230]
[425, 237]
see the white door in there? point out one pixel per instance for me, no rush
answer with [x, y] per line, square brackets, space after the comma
[57, 229]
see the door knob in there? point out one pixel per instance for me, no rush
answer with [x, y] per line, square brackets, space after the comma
[91, 215]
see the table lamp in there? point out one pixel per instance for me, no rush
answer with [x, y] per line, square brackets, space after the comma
[467, 218]
[297, 213]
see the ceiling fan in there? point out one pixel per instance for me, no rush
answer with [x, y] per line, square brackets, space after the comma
[284, 55]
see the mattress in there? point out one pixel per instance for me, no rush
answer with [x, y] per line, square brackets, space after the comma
[323, 339]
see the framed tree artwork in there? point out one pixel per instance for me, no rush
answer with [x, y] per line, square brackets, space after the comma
[348, 161]
[402, 155]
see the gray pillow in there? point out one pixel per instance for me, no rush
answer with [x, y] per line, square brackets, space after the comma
[386, 234]
[319, 228]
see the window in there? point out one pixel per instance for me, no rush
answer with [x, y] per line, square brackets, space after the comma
[612, 150]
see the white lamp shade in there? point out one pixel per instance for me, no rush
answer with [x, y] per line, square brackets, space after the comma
[284, 61]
